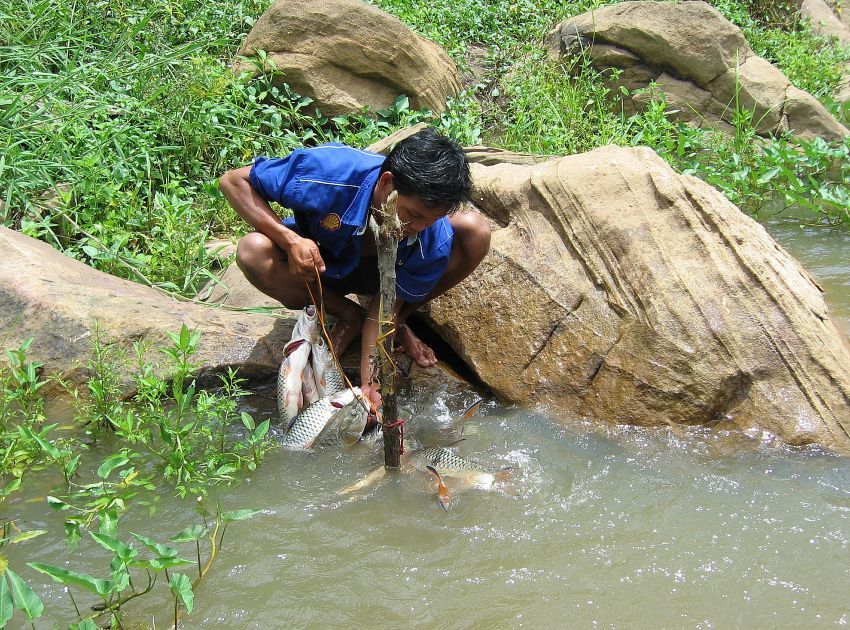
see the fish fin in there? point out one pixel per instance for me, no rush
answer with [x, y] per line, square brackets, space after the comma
[472, 410]
[444, 497]
[455, 443]
[368, 480]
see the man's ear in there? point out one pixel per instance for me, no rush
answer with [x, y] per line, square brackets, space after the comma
[386, 181]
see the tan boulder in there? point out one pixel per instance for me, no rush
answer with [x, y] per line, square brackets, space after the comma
[619, 290]
[59, 301]
[827, 21]
[346, 54]
[832, 21]
[676, 43]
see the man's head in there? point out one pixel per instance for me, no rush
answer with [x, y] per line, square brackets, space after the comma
[430, 173]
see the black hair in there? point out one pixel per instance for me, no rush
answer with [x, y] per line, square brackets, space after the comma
[432, 167]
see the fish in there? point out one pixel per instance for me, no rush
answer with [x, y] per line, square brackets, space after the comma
[327, 375]
[336, 420]
[290, 378]
[308, 371]
[444, 463]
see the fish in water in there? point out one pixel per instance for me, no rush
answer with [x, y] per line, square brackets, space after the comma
[336, 420]
[444, 464]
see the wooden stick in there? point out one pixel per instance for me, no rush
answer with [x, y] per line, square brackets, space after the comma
[386, 237]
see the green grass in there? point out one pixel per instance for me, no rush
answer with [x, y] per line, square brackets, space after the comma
[117, 117]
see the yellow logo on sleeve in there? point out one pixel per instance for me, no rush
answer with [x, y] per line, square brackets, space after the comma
[331, 222]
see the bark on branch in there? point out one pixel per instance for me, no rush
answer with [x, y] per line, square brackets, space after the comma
[386, 236]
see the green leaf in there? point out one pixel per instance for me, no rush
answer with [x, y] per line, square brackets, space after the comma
[247, 420]
[72, 534]
[57, 504]
[181, 586]
[110, 464]
[33, 533]
[108, 522]
[163, 551]
[47, 447]
[261, 431]
[85, 624]
[7, 607]
[68, 578]
[238, 515]
[159, 564]
[226, 469]
[25, 599]
[13, 485]
[124, 552]
[194, 532]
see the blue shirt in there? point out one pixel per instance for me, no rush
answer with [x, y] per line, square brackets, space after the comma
[329, 190]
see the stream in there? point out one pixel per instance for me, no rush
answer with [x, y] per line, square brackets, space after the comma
[598, 526]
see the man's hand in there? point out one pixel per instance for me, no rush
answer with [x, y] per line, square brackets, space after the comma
[304, 258]
[372, 393]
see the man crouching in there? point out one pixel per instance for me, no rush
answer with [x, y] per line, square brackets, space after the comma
[332, 189]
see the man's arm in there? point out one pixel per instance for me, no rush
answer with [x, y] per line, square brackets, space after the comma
[302, 253]
[368, 339]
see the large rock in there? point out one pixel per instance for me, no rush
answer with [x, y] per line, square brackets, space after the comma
[59, 302]
[699, 59]
[832, 21]
[346, 54]
[617, 289]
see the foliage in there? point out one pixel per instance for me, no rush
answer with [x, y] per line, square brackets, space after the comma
[551, 108]
[192, 437]
[755, 174]
[196, 440]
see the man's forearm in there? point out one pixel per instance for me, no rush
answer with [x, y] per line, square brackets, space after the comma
[254, 209]
[369, 336]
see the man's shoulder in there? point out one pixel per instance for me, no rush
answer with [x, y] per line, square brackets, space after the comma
[341, 162]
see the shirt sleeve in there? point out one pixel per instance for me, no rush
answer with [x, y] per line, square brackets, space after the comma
[274, 179]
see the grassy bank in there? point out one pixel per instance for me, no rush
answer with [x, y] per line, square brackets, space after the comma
[117, 118]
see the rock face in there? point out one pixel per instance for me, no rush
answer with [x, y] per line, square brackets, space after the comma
[699, 59]
[617, 289]
[346, 54]
[832, 21]
[58, 301]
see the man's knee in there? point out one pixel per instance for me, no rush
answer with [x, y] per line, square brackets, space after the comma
[252, 250]
[473, 234]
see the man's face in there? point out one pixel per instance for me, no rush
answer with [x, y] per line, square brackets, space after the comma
[414, 215]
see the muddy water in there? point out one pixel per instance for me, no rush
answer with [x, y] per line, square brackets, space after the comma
[607, 527]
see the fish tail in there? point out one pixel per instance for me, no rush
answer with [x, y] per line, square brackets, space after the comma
[444, 497]
[472, 409]
[368, 480]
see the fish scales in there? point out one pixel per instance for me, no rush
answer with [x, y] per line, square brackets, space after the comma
[327, 422]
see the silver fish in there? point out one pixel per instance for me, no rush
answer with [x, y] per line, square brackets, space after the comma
[336, 420]
[442, 462]
[328, 378]
[308, 371]
[449, 464]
